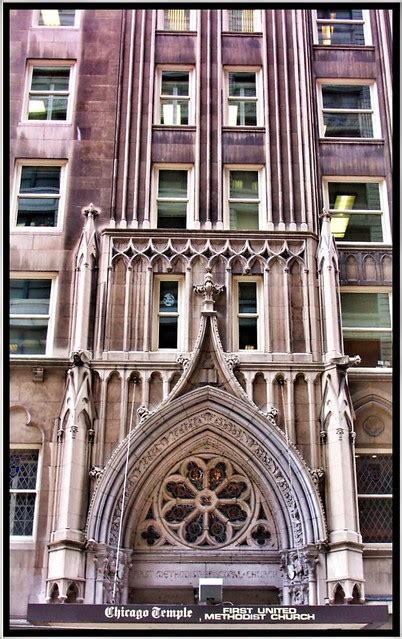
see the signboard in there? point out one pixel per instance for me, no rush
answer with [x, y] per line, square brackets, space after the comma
[153, 615]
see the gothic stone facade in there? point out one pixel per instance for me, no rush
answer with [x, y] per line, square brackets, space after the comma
[183, 401]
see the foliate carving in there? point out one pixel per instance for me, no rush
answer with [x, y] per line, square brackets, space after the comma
[183, 361]
[96, 472]
[373, 426]
[232, 361]
[318, 475]
[209, 289]
[113, 576]
[143, 413]
[296, 568]
[272, 413]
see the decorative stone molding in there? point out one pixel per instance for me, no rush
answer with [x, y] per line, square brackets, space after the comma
[209, 290]
[183, 361]
[38, 374]
[232, 361]
[96, 472]
[340, 433]
[373, 426]
[318, 475]
[143, 413]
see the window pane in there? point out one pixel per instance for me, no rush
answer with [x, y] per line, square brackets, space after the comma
[375, 349]
[375, 520]
[174, 112]
[175, 83]
[40, 179]
[50, 79]
[247, 297]
[172, 215]
[23, 469]
[354, 196]
[47, 107]
[357, 228]
[348, 125]
[28, 336]
[343, 34]
[56, 17]
[176, 19]
[168, 296]
[242, 84]
[242, 113]
[374, 474]
[243, 216]
[22, 510]
[346, 97]
[247, 333]
[167, 332]
[173, 184]
[340, 14]
[37, 212]
[365, 310]
[241, 20]
[29, 297]
[244, 184]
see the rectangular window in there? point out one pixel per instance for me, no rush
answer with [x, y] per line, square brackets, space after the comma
[174, 105]
[342, 27]
[243, 104]
[366, 322]
[374, 487]
[244, 199]
[172, 198]
[56, 17]
[23, 480]
[49, 93]
[248, 315]
[39, 193]
[176, 20]
[357, 211]
[29, 316]
[241, 20]
[167, 295]
[348, 111]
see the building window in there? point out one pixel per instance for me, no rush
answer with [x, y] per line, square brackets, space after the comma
[243, 105]
[374, 488]
[174, 99]
[49, 92]
[347, 111]
[357, 210]
[56, 17]
[176, 20]
[244, 199]
[29, 316]
[39, 195]
[247, 324]
[23, 490]
[242, 20]
[342, 27]
[366, 321]
[172, 198]
[167, 294]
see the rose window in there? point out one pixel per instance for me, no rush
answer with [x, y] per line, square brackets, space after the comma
[205, 502]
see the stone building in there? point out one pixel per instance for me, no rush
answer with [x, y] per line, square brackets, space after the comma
[200, 305]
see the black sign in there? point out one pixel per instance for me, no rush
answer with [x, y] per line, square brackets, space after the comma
[370, 616]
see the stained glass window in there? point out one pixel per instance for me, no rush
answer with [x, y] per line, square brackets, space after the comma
[23, 472]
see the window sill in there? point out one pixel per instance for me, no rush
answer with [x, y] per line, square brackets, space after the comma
[36, 229]
[174, 127]
[365, 245]
[352, 140]
[242, 34]
[19, 543]
[227, 127]
[57, 123]
[344, 47]
[173, 32]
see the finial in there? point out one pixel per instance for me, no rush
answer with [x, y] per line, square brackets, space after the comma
[90, 211]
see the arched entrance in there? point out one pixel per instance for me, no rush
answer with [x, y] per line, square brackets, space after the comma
[212, 490]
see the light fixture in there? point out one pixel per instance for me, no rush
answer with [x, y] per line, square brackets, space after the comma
[339, 224]
[50, 17]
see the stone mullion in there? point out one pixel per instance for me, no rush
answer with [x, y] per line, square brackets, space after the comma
[128, 314]
[100, 441]
[187, 308]
[286, 299]
[124, 426]
[148, 310]
[312, 423]
[267, 334]
[306, 311]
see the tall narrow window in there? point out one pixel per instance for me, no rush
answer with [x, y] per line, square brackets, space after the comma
[374, 487]
[366, 322]
[56, 17]
[247, 315]
[340, 26]
[39, 195]
[49, 93]
[357, 212]
[168, 313]
[29, 316]
[242, 107]
[244, 200]
[172, 198]
[176, 19]
[175, 97]
[23, 489]
[347, 111]
[241, 20]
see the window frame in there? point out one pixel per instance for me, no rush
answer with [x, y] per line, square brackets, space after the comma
[257, 22]
[366, 29]
[50, 316]
[155, 194]
[191, 93]
[259, 96]
[19, 539]
[383, 213]
[192, 27]
[167, 277]
[19, 165]
[369, 452]
[387, 290]
[374, 110]
[260, 169]
[44, 64]
[35, 21]
[259, 315]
